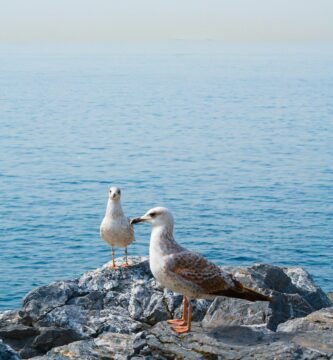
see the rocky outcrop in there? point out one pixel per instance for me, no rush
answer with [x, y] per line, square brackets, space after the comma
[7, 353]
[330, 296]
[218, 342]
[120, 313]
[294, 295]
[234, 342]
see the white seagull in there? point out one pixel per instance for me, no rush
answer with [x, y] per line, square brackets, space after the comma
[115, 228]
[186, 272]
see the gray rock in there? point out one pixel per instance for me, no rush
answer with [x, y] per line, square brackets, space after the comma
[293, 280]
[306, 287]
[287, 306]
[228, 311]
[320, 320]
[227, 342]
[313, 331]
[112, 313]
[330, 296]
[9, 317]
[19, 337]
[53, 336]
[7, 353]
[106, 346]
[294, 295]
[44, 299]
[18, 331]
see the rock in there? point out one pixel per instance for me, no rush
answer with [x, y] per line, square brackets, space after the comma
[306, 287]
[313, 331]
[106, 346]
[226, 342]
[320, 320]
[330, 296]
[52, 337]
[294, 295]
[7, 353]
[230, 311]
[18, 331]
[19, 337]
[9, 317]
[53, 296]
[293, 280]
[119, 313]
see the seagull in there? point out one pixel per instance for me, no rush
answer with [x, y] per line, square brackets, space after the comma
[186, 272]
[115, 228]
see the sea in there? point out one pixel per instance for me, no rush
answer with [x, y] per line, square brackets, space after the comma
[235, 139]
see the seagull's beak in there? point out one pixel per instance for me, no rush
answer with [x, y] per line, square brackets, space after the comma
[139, 219]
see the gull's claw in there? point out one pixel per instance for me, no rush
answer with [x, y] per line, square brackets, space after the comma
[176, 322]
[180, 329]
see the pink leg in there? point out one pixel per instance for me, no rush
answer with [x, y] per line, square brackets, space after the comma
[113, 266]
[181, 329]
[182, 320]
[126, 261]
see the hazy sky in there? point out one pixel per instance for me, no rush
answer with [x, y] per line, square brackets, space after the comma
[150, 20]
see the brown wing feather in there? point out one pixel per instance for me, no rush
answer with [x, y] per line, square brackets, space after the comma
[195, 268]
[211, 278]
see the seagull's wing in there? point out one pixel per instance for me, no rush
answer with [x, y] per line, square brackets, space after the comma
[131, 228]
[209, 278]
[196, 269]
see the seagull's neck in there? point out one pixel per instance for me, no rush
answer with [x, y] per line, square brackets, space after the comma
[162, 241]
[114, 209]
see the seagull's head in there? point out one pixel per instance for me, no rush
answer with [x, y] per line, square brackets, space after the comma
[114, 193]
[158, 216]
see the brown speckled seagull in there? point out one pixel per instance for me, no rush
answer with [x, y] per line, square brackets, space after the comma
[186, 272]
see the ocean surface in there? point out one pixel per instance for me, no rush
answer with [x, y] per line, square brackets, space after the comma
[237, 140]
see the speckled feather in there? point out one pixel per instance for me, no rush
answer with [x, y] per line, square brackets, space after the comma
[195, 268]
[188, 272]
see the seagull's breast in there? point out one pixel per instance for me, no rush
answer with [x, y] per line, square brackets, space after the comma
[116, 231]
[168, 279]
[160, 271]
[158, 260]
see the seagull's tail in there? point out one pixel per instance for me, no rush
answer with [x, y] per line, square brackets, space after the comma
[242, 292]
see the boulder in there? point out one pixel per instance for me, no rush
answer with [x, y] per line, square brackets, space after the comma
[231, 342]
[95, 315]
[321, 320]
[294, 293]
[7, 353]
[283, 280]
[106, 346]
[330, 296]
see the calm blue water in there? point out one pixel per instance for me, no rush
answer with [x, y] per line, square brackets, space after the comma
[236, 140]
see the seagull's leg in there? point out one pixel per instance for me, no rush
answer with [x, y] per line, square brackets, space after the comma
[126, 261]
[189, 321]
[113, 263]
[181, 321]
[185, 328]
